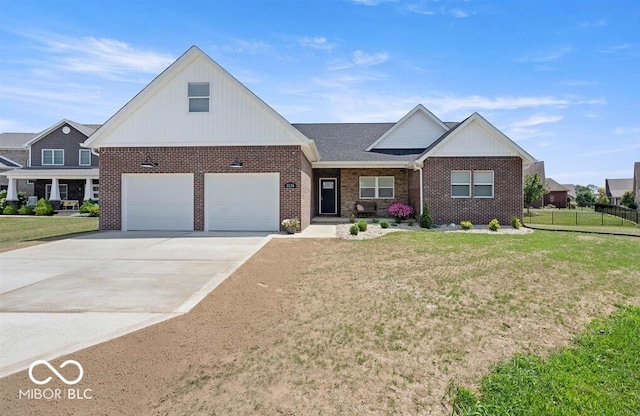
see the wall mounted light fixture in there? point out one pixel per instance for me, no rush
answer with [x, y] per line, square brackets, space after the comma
[236, 164]
[148, 163]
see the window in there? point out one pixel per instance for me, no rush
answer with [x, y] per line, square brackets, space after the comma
[85, 157]
[95, 192]
[198, 97]
[64, 194]
[483, 184]
[461, 184]
[376, 187]
[52, 156]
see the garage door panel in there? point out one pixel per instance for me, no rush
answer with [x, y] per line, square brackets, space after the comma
[243, 201]
[158, 202]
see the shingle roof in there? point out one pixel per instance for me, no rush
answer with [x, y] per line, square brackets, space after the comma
[554, 186]
[571, 189]
[6, 163]
[617, 187]
[347, 142]
[15, 140]
[537, 167]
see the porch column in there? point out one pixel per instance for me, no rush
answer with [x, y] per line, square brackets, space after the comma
[88, 189]
[55, 190]
[12, 194]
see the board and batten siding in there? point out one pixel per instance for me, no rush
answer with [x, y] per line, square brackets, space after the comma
[417, 132]
[473, 141]
[235, 117]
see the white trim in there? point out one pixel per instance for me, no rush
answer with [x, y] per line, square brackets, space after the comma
[196, 97]
[493, 184]
[80, 157]
[53, 157]
[356, 165]
[335, 192]
[81, 128]
[51, 173]
[469, 184]
[47, 191]
[376, 188]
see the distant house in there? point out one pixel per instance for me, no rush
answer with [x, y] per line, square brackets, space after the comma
[636, 181]
[615, 189]
[536, 167]
[557, 194]
[14, 154]
[571, 191]
[59, 168]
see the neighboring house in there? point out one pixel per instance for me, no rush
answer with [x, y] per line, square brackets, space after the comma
[14, 154]
[197, 150]
[536, 167]
[557, 194]
[615, 189]
[60, 169]
[571, 191]
[636, 182]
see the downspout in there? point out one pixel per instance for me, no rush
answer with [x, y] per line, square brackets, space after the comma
[419, 169]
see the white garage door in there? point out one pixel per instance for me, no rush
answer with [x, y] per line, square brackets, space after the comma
[157, 202]
[242, 201]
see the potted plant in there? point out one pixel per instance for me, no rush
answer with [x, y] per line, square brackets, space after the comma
[290, 225]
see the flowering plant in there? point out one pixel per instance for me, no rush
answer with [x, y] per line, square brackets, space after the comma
[399, 210]
[291, 222]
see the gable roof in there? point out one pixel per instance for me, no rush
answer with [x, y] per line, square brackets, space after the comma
[86, 129]
[419, 109]
[100, 137]
[616, 188]
[571, 189]
[555, 186]
[15, 140]
[6, 163]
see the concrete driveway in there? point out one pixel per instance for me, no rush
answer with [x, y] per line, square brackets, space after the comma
[66, 295]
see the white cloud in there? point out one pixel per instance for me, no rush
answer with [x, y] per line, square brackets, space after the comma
[537, 119]
[373, 2]
[361, 58]
[316, 43]
[611, 150]
[459, 13]
[595, 23]
[419, 9]
[577, 83]
[615, 48]
[626, 130]
[545, 56]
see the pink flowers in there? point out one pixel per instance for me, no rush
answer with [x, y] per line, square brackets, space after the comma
[399, 210]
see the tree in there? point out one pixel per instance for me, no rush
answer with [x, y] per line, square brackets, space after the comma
[586, 195]
[425, 218]
[602, 196]
[627, 199]
[534, 189]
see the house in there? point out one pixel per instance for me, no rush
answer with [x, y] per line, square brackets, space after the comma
[615, 189]
[557, 195]
[571, 191]
[58, 166]
[197, 150]
[14, 154]
[532, 169]
[636, 182]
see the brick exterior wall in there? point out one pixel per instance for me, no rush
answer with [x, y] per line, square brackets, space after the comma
[557, 198]
[21, 157]
[315, 195]
[506, 203]
[350, 189]
[414, 190]
[289, 161]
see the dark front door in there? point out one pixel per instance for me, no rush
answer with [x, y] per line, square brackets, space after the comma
[328, 196]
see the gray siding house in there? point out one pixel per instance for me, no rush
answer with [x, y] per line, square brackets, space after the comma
[14, 154]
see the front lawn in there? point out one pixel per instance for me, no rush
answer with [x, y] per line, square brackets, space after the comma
[579, 217]
[16, 232]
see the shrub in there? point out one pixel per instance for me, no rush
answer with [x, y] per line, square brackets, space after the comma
[374, 220]
[354, 229]
[494, 225]
[425, 218]
[466, 225]
[84, 208]
[515, 222]
[10, 210]
[400, 211]
[633, 205]
[411, 222]
[94, 210]
[44, 207]
[25, 210]
[288, 222]
[352, 220]
[362, 225]
[384, 224]
[398, 220]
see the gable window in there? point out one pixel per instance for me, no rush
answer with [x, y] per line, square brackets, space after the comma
[85, 157]
[52, 156]
[198, 97]
[461, 184]
[483, 184]
[63, 188]
[377, 187]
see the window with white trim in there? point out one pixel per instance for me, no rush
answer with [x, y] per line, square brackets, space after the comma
[63, 188]
[483, 184]
[95, 192]
[85, 157]
[377, 187]
[198, 93]
[53, 156]
[461, 184]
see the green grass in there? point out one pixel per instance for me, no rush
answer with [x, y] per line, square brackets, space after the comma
[588, 228]
[598, 375]
[17, 230]
[574, 218]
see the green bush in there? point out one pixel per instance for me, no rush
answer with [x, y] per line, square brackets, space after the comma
[425, 217]
[44, 207]
[515, 222]
[10, 210]
[86, 205]
[410, 222]
[384, 224]
[494, 225]
[352, 220]
[374, 220]
[354, 229]
[94, 210]
[362, 225]
[466, 225]
[25, 210]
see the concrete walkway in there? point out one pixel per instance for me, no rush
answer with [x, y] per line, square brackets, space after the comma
[59, 297]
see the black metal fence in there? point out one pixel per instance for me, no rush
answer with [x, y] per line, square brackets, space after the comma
[622, 212]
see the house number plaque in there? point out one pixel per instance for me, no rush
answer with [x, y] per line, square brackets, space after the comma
[290, 185]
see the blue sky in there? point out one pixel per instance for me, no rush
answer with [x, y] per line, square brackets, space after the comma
[561, 78]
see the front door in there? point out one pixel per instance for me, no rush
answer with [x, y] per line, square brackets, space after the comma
[328, 196]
